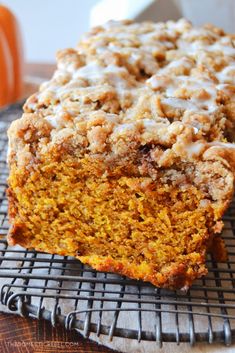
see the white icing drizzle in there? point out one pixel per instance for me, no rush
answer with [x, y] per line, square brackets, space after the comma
[53, 120]
[179, 103]
[225, 49]
[95, 72]
[9, 149]
[193, 86]
[195, 149]
[223, 144]
[227, 75]
[183, 81]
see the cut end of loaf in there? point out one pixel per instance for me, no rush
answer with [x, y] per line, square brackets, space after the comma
[156, 231]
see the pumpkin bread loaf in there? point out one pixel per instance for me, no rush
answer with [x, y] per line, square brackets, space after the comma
[124, 159]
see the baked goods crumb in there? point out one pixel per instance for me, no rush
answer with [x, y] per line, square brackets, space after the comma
[125, 158]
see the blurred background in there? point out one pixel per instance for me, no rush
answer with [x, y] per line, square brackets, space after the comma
[47, 26]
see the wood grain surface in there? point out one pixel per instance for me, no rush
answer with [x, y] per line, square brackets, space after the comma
[35, 73]
[42, 70]
[26, 335]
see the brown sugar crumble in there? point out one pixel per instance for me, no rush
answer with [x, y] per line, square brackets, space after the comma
[125, 158]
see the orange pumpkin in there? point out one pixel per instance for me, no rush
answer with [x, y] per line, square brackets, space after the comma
[6, 73]
[11, 58]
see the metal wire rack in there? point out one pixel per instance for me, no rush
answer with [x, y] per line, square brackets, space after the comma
[62, 290]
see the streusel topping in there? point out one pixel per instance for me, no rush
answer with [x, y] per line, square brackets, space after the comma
[128, 85]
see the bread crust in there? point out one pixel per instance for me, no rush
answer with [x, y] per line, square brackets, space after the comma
[152, 103]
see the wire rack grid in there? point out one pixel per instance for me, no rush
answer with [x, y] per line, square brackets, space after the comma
[62, 290]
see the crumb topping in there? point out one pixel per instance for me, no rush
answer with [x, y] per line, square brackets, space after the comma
[168, 86]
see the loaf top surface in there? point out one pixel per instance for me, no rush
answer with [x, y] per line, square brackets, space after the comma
[168, 86]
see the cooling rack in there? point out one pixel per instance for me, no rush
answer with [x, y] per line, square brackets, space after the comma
[62, 290]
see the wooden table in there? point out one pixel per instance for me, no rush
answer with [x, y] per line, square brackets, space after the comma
[34, 72]
[26, 335]
[39, 70]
